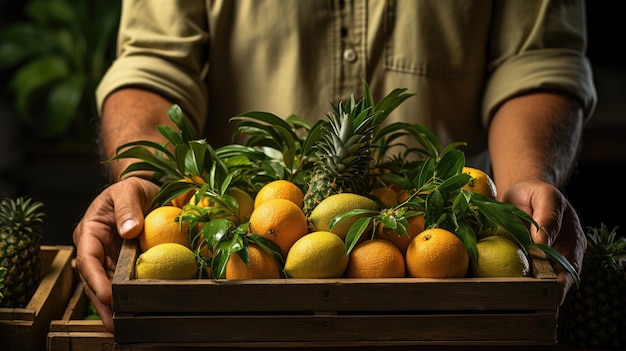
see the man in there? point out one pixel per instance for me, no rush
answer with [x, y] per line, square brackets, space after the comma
[510, 78]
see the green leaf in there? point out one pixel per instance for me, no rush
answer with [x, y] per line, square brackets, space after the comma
[20, 42]
[505, 215]
[354, 233]
[64, 102]
[455, 182]
[176, 115]
[34, 75]
[468, 237]
[351, 213]
[49, 12]
[557, 257]
[450, 164]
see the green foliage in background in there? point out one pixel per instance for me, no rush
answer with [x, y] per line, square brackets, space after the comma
[56, 56]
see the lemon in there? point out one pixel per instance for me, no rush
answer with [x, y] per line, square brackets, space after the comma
[166, 261]
[319, 254]
[334, 205]
[500, 257]
[480, 182]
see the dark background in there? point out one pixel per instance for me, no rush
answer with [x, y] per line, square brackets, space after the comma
[66, 181]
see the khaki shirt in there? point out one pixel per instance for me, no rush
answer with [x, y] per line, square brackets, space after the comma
[220, 58]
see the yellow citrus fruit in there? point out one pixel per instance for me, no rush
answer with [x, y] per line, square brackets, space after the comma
[319, 254]
[480, 183]
[262, 265]
[334, 205]
[280, 189]
[500, 257]
[437, 253]
[167, 261]
[387, 195]
[376, 258]
[161, 226]
[279, 220]
[416, 226]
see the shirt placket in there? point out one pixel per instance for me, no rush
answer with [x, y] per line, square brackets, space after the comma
[350, 56]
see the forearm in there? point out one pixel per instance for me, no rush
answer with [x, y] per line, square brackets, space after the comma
[535, 137]
[130, 115]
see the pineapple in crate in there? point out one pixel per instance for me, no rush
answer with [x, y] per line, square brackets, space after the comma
[593, 315]
[21, 228]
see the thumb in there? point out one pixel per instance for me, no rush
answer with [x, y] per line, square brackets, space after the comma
[132, 201]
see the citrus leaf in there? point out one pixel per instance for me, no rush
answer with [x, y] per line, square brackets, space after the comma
[351, 213]
[468, 237]
[176, 115]
[354, 233]
[450, 164]
[557, 257]
[455, 182]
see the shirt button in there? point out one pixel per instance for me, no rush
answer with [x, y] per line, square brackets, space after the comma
[349, 55]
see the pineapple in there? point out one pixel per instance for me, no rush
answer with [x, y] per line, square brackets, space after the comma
[344, 154]
[593, 314]
[21, 228]
[3, 273]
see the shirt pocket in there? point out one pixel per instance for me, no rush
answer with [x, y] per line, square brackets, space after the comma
[436, 38]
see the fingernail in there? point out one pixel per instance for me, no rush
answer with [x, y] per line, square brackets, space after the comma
[128, 225]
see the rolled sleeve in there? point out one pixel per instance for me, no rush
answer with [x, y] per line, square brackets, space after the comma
[163, 50]
[554, 69]
[159, 76]
[538, 45]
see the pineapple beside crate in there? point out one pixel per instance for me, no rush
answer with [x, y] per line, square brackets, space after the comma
[21, 229]
[593, 315]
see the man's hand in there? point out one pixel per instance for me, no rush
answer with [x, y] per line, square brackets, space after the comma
[558, 222]
[116, 214]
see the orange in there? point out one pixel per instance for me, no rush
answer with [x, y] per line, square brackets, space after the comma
[376, 258]
[279, 220]
[403, 195]
[437, 253]
[416, 226]
[182, 199]
[280, 189]
[160, 226]
[262, 265]
[387, 196]
[480, 183]
[244, 200]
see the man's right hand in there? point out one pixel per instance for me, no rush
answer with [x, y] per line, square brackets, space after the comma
[116, 214]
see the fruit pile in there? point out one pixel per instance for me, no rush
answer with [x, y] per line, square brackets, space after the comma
[343, 197]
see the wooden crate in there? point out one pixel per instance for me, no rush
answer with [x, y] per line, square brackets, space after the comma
[26, 328]
[73, 332]
[334, 312]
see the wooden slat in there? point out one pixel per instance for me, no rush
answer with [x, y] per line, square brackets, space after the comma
[73, 332]
[377, 329]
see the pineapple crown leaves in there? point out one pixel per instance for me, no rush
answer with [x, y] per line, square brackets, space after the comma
[604, 247]
[21, 215]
